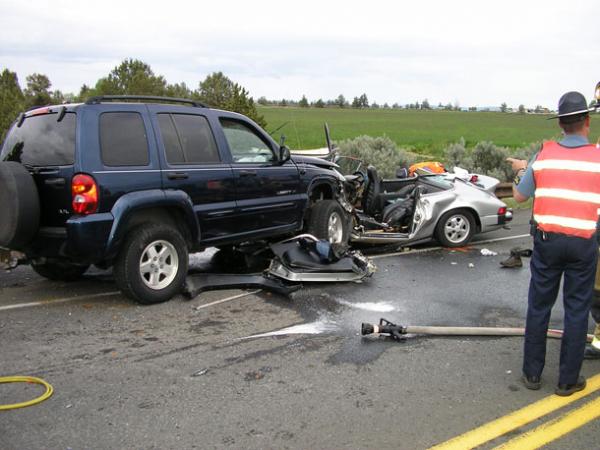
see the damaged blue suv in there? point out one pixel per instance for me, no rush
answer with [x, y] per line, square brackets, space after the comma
[137, 183]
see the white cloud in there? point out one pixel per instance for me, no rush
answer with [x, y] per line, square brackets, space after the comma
[476, 52]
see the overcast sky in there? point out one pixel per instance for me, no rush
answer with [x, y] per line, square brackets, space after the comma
[471, 52]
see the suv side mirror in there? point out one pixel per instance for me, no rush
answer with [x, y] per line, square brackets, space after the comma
[284, 154]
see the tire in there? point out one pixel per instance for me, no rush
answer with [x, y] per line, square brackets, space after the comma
[455, 228]
[20, 206]
[145, 279]
[328, 221]
[59, 270]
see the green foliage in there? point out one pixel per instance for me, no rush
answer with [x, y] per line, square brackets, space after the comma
[360, 102]
[528, 151]
[218, 91]
[380, 152]
[341, 101]
[303, 103]
[131, 77]
[486, 158]
[178, 90]
[12, 101]
[37, 92]
[320, 103]
[503, 107]
[456, 155]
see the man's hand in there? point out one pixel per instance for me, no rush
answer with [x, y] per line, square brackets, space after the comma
[517, 164]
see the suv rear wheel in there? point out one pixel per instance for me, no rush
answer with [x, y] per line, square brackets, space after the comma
[329, 221]
[152, 264]
[59, 270]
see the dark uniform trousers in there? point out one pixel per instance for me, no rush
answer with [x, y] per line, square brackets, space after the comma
[556, 254]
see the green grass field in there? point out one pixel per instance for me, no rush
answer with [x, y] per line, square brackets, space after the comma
[424, 132]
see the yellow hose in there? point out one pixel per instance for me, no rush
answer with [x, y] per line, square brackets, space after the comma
[35, 401]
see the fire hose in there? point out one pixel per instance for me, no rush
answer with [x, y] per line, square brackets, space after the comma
[398, 332]
[23, 379]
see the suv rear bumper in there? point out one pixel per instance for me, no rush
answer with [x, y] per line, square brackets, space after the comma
[83, 239]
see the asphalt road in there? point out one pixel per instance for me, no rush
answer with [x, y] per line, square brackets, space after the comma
[190, 374]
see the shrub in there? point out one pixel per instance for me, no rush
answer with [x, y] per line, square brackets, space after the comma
[488, 159]
[456, 155]
[528, 151]
[380, 152]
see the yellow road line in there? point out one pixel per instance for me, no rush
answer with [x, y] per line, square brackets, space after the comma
[554, 429]
[517, 419]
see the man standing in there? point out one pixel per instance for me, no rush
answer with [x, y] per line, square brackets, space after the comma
[564, 180]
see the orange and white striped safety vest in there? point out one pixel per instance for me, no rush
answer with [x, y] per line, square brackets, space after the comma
[567, 189]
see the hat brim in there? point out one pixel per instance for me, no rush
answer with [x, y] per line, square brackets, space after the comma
[574, 113]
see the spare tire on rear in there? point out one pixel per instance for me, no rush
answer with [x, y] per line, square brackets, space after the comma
[19, 206]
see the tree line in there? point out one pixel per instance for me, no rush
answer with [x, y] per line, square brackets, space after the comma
[362, 102]
[130, 77]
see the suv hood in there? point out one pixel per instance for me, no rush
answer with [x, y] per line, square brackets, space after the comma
[313, 161]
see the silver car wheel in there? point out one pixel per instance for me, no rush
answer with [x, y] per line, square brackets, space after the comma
[457, 228]
[159, 264]
[335, 228]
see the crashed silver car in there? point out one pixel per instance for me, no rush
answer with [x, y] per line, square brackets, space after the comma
[449, 207]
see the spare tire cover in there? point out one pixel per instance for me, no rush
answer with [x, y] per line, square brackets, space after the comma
[19, 206]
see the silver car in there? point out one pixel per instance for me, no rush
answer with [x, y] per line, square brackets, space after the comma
[450, 208]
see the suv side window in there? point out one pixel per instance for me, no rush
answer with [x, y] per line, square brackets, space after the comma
[245, 145]
[123, 139]
[187, 139]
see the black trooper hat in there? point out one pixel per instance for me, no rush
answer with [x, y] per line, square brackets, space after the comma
[571, 107]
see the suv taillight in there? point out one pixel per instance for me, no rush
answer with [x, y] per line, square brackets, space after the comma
[85, 194]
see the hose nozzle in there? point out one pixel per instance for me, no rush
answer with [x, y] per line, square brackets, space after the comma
[384, 327]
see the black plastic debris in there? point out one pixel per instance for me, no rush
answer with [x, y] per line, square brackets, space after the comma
[198, 283]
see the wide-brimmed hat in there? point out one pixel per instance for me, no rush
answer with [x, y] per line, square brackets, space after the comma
[570, 106]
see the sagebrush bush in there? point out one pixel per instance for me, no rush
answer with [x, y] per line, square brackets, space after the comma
[486, 158]
[528, 151]
[457, 155]
[380, 152]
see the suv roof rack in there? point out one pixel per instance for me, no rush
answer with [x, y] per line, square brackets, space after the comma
[109, 98]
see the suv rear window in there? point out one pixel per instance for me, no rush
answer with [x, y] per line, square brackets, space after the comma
[187, 139]
[123, 139]
[42, 141]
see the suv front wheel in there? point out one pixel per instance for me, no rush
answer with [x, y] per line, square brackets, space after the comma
[152, 264]
[328, 221]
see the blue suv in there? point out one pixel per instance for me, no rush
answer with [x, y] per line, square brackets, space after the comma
[137, 183]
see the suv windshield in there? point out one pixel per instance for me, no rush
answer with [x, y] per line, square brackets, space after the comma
[42, 141]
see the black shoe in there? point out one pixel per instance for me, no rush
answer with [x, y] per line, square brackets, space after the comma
[564, 390]
[533, 382]
[591, 352]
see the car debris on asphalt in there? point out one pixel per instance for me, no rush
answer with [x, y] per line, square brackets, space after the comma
[488, 252]
[303, 258]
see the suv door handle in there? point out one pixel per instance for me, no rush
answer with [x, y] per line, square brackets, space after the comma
[247, 173]
[177, 176]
